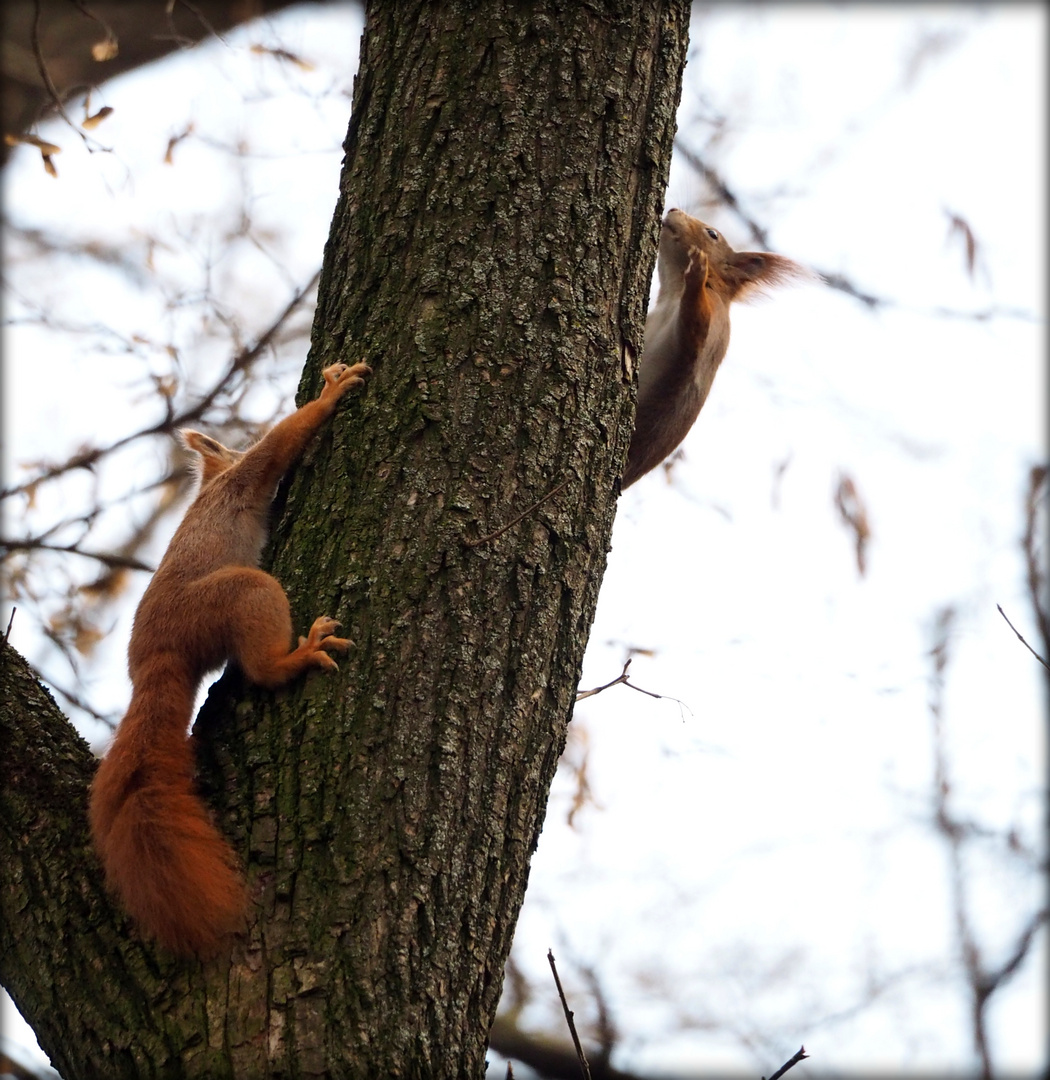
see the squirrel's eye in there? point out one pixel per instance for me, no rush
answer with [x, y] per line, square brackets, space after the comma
[712, 234]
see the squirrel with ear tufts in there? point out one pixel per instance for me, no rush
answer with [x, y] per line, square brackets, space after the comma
[687, 331]
[208, 602]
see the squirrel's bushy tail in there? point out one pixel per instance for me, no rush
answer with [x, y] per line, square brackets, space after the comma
[172, 871]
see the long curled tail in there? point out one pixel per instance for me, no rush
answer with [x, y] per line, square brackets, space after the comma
[172, 871]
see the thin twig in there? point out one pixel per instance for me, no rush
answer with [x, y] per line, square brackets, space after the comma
[582, 1058]
[45, 75]
[833, 279]
[114, 562]
[1024, 943]
[75, 699]
[947, 825]
[7, 636]
[789, 1063]
[606, 1028]
[1022, 640]
[622, 678]
[510, 525]
[170, 421]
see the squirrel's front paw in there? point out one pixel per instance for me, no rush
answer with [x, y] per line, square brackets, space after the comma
[342, 377]
[697, 265]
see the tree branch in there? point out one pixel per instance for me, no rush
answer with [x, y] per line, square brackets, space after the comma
[623, 678]
[87, 459]
[114, 561]
[585, 1069]
[1020, 637]
[789, 1064]
[833, 279]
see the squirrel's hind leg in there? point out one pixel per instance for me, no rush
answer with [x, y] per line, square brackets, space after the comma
[257, 625]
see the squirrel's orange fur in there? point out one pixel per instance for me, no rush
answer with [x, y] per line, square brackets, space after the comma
[206, 603]
[687, 331]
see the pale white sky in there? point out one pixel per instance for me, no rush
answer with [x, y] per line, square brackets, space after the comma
[761, 855]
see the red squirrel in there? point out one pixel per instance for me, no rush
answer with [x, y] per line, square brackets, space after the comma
[207, 603]
[687, 331]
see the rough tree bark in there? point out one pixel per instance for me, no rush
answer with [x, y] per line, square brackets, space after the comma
[490, 256]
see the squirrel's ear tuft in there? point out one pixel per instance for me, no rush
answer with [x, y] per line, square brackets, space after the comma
[206, 446]
[214, 457]
[750, 273]
[191, 439]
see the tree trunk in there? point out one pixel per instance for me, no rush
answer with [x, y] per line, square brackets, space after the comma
[490, 257]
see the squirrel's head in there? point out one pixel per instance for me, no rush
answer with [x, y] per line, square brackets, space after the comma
[214, 458]
[734, 275]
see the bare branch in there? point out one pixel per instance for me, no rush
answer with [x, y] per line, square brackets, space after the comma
[607, 1034]
[622, 678]
[114, 561]
[75, 699]
[1010, 966]
[954, 840]
[52, 90]
[1020, 638]
[551, 1059]
[585, 1069]
[111, 255]
[833, 279]
[790, 1063]
[87, 459]
[722, 190]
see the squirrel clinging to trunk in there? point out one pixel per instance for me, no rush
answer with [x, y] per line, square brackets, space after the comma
[687, 331]
[208, 602]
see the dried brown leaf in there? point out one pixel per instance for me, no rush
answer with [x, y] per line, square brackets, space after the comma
[855, 516]
[42, 145]
[106, 49]
[283, 54]
[173, 142]
[90, 122]
[959, 226]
